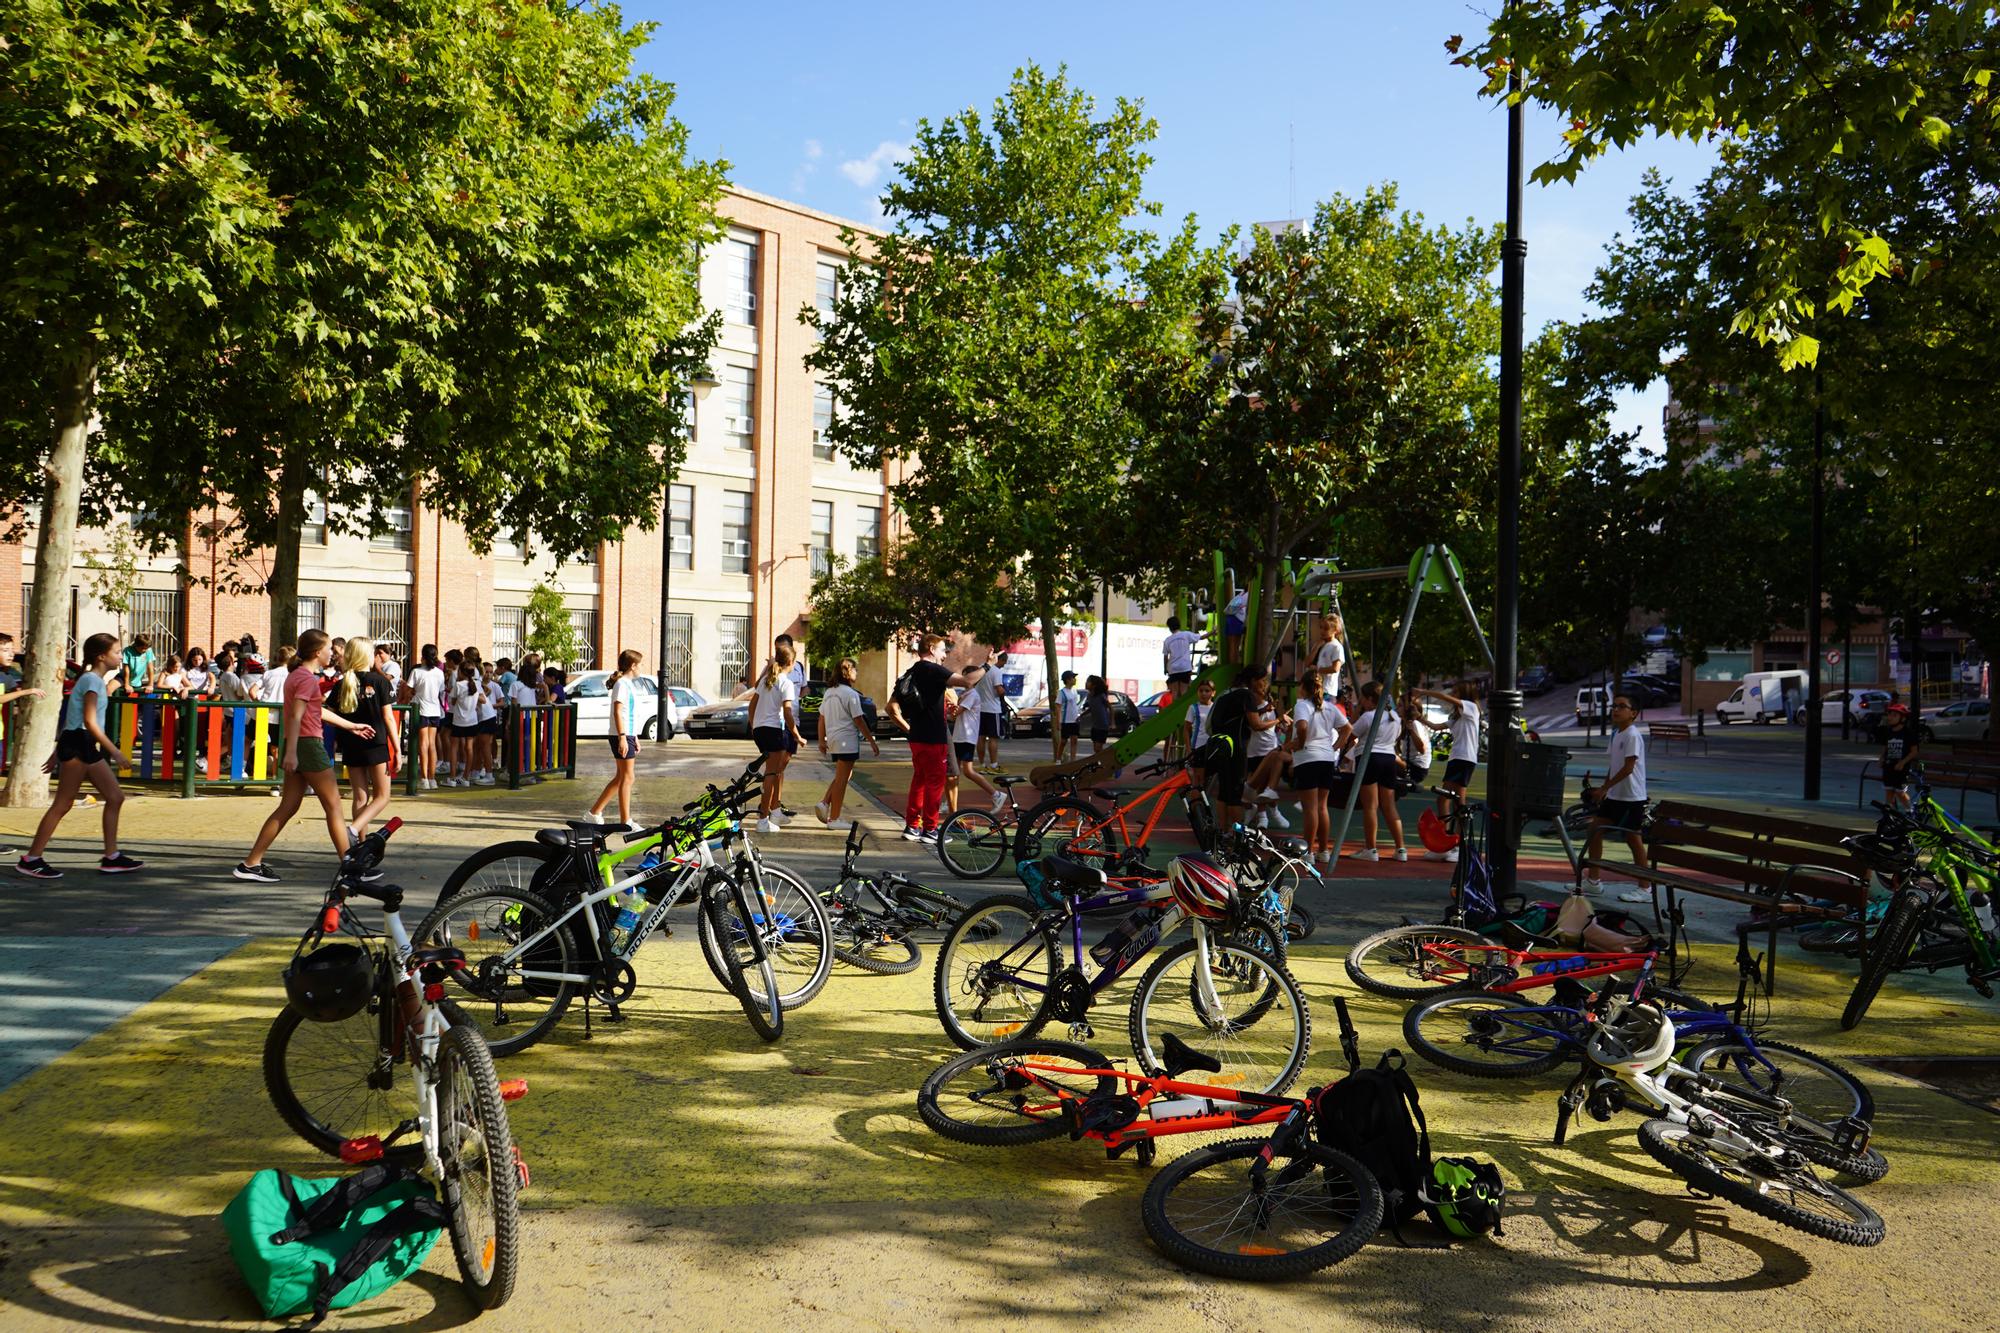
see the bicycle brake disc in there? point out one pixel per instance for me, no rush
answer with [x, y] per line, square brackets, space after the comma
[615, 981]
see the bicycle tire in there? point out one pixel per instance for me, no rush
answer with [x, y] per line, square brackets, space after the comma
[1396, 951]
[1446, 1014]
[888, 955]
[1688, 1156]
[803, 944]
[938, 1104]
[1300, 924]
[968, 952]
[1891, 947]
[1353, 1210]
[1244, 976]
[487, 1266]
[527, 867]
[1821, 1091]
[506, 916]
[767, 1019]
[972, 844]
[354, 1042]
[1057, 824]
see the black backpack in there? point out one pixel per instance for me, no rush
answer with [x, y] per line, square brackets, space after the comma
[904, 694]
[1373, 1115]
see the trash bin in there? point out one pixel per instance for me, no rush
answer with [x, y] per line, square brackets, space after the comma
[1539, 773]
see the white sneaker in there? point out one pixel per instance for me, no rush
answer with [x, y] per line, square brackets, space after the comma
[779, 817]
[1593, 887]
[840, 825]
[1402, 853]
[1276, 816]
[1635, 896]
[1452, 856]
[824, 813]
[1433, 856]
[1365, 854]
[1268, 794]
[768, 825]
[591, 817]
[482, 780]
[999, 801]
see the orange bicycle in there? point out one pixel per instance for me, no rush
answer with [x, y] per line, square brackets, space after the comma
[1074, 828]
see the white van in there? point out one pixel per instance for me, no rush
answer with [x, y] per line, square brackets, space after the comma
[1762, 696]
[1593, 705]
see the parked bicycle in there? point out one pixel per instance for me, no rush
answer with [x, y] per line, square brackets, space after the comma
[974, 841]
[1071, 827]
[1225, 991]
[874, 917]
[359, 1011]
[576, 931]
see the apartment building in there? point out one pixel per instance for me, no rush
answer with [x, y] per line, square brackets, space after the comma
[759, 506]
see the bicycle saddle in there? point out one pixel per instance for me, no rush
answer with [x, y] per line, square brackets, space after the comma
[1179, 1057]
[1072, 876]
[579, 833]
[999, 780]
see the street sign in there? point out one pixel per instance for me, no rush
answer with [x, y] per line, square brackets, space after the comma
[1833, 657]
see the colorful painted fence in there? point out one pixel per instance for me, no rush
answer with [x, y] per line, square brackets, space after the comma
[540, 742]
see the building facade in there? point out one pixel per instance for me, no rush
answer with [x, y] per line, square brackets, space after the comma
[760, 504]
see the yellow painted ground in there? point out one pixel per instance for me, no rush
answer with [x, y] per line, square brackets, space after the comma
[683, 1170]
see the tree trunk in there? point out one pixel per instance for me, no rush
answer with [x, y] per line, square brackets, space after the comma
[49, 612]
[1259, 635]
[283, 588]
[1045, 605]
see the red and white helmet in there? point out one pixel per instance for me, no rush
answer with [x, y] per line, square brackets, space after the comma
[1202, 888]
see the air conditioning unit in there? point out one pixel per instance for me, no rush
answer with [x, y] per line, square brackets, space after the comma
[683, 543]
[741, 425]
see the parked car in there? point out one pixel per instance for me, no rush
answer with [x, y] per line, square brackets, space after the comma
[809, 712]
[1966, 720]
[1034, 719]
[1593, 705]
[590, 692]
[1537, 680]
[1150, 706]
[1762, 696]
[729, 719]
[1864, 706]
[1647, 691]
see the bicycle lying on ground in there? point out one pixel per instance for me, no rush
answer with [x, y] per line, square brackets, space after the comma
[1225, 991]
[1722, 1137]
[763, 930]
[358, 1012]
[874, 917]
[1266, 1208]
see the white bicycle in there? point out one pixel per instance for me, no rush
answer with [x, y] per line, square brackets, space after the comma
[356, 1014]
[1722, 1138]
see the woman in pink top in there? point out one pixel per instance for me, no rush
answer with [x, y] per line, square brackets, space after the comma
[306, 763]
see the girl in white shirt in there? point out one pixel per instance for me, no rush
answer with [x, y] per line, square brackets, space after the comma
[1413, 745]
[963, 719]
[465, 696]
[491, 696]
[1070, 715]
[1319, 732]
[1330, 655]
[624, 690]
[842, 728]
[427, 687]
[1265, 753]
[774, 725]
[1376, 771]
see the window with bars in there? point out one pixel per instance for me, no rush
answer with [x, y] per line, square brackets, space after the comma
[739, 269]
[867, 532]
[679, 654]
[822, 536]
[312, 613]
[584, 622]
[158, 616]
[389, 626]
[822, 422]
[826, 285]
[739, 405]
[396, 524]
[736, 532]
[733, 656]
[680, 526]
[510, 631]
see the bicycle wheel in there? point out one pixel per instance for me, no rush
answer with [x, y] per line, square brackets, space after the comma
[874, 943]
[767, 1016]
[332, 1082]
[513, 998]
[1317, 1206]
[1258, 1026]
[982, 1097]
[525, 867]
[995, 973]
[1395, 963]
[1299, 924]
[1059, 825]
[1489, 1036]
[1794, 1196]
[972, 844]
[797, 938]
[1889, 951]
[1822, 1094]
[481, 1179]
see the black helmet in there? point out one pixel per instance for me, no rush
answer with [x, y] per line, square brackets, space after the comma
[331, 983]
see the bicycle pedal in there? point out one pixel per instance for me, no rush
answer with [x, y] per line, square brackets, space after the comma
[513, 1089]
[356, 1152]
[521, 1166]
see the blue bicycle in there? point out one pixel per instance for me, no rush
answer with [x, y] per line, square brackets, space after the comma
[1486, 1034]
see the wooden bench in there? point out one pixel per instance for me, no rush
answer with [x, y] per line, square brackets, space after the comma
[1664, 732]
[1757, 860]
[1966, 775]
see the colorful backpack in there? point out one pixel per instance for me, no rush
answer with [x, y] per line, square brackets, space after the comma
[325, 1243]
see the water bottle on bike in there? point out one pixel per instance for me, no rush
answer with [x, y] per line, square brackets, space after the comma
[630, 904]
[1122, 934]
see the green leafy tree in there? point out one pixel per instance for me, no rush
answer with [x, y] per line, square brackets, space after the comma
[909, 589]
[986, 342]
[551, 632]
[127, 213]
[1802, 92]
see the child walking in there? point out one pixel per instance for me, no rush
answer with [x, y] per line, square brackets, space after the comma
[365, 697]
[83, 750]
[308, 767]
[624, 690]
[842, 728]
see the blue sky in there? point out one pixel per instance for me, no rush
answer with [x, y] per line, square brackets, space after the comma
[1262, 108]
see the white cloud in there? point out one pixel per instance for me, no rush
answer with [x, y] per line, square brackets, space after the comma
[814, 150]
[867, 172]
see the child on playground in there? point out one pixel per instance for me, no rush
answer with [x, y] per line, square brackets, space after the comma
[1376, 772]
[842, 728]
[963, 716]
[1621, 801]
[1319, 731]
[308, 767]
[1265, 753]
[1901, 742]
[1069, 713]
[1464, 758]
[83, 750]
[774, 725]
[465, 696]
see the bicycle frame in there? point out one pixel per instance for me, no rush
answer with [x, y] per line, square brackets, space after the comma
[1220, 1108]
[1952, 869]
[1595, 964]
[1158, 795]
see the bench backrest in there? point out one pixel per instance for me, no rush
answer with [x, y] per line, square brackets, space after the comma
[1676, 730]
[1756, 851]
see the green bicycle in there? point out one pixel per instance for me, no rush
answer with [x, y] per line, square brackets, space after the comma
[1941, 916]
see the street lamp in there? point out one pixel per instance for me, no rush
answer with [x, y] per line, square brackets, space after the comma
[703, 381]
[1505, 705]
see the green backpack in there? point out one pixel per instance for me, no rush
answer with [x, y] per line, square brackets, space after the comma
[326, 1243]
[1464, 1196]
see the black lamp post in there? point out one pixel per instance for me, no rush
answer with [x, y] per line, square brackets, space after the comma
[1505, 703]
[704, 379]
[1814, 744]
